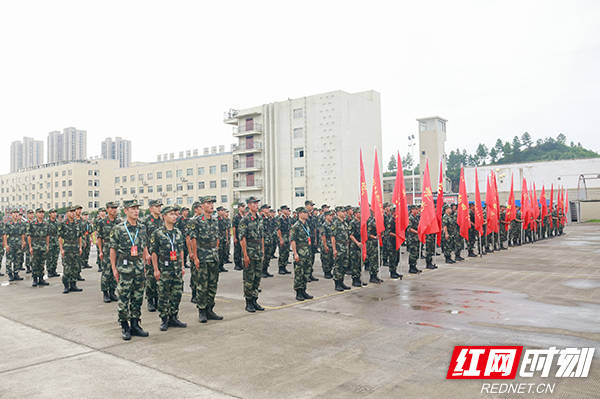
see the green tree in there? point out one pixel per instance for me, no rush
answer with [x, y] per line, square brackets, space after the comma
[561, 138]
[499, 147]
[516, 145]
[526, 140]
[392, 164]
[493, 155]
[481, 154]
[408, 162]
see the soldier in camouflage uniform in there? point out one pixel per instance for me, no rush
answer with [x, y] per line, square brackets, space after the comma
[386, 248]
[447, 234]
[269, 228]
[430, 242]
[227, 249]
[101, 215]
[14, 243]
[340, 240]
[108, 284]
[30, 219]
[412, 239]
[87, 230]
[251, 236]
[314, 238]
[223, 238]
[181, 224]
[372, 255]
[153, 222]
[472, 232]
[53, 249]
[70, 251]
[166, 248]
[394, 254]
[515, 228]
[80, 265]
[128, 249]
[325, 241]
[39, 242]
[301, 240]
[237, 249]
[355, 250]
[459, 242]
[502, 227]
[1, 246]
[205, 245]
[283, 234]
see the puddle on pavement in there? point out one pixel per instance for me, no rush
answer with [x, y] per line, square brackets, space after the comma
[582, 284]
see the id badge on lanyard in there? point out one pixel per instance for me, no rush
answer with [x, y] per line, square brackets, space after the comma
[173, 255]
[172, 252]
[134, 248]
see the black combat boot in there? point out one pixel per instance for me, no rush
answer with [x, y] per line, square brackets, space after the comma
[374, 279]
[34, 282]
[136, 329]
[282, 271]
[52, 274]
[338, 286]
[449, 260]
[106, 297]
[125, 331]
[28, 270]
[256, 305]
[430, 265]
[16, 277]
[344, 286]
[306, 295]
[164, 325]
[250, 305]
[175, 322]
[112, 295]
[193, 300]
[312, 278]
[151, 305]
[328, 275]
[202, 315]
[472, 254]
[66, 290]
[42, 282]
[458, 258]
[211, 315]
[299, 296]
[74, 287]
[356, 282]
[79, 278]
[413, 269]
[11, 277]
[237, 267]
[222, 269]
[265, 273]
[394, 274]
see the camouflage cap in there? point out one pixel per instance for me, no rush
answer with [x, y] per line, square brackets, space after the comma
[308, 202]
[112, 204]
[52, 210]
[220, 208]
[99, 210]
[130, 203]
[328, 213]
[176, 208]
[340, 208]
[167, 209]
[252, 200]
[196, 204]
[14, 211]
[185, 208]
[349, 208]
[155, 202]
[356, 210]
[30, 211]
[39, 210]
[85, 213]
[284, 207]
[72, 208]
[264, 206]
[301, 209]
[324, 206]
[207, 198]
[78, 207]
[241, 204]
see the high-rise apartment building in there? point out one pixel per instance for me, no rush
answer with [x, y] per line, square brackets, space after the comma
[117, 149]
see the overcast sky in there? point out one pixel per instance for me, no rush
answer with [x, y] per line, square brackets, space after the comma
[163, 73]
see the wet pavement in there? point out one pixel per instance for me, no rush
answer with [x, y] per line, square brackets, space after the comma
[380, 341]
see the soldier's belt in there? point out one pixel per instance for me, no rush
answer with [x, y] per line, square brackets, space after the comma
[207, 245]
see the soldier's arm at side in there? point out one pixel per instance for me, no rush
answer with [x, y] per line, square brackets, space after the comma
[293, 245]
[113, 263]
[5, 242]
[155, 266]
[29, 244]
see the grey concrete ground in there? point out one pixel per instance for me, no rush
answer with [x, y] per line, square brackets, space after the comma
[381, 341]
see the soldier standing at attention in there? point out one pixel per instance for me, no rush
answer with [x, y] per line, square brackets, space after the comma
[227, 248]
[313, 224]
[205, 251]
[87, 239]
[502, 227]
[459, 242]
[1, 246]
[108, 284]
[53, 249]
[355, 250]
[223, 230]
[385, 238]
[340, 236]
[251, 237]
[274, 238]
[39, 243]
[448, 238]
[412, 239]
[70, 251]
[197, 209]
[78, 209]
[166, 247]
[101, 215]
[237, 249]
[14, 244]
[283, 234]
[181, 224]
[153, 222]
[128, 247]
[30, 219]
[300, 240]
[326, 249]
[472, 232]
[268, 228]
[372, 257]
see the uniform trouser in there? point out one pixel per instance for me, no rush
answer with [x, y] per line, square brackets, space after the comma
[340, 262]
[1, 256]
[14, 258]
[52, 258]
[447, 245]
[85, 256]
[372, 256]
[472, 239]
[252, 275]
[301, 268]
[185, 255]
[237, 254]
[311, 262]
[385, 249]
[284, 253]
[393, 255]
[131, 293]
[326, 259]
[27, 260]
[151, 284]
[274, 241]
[267, 258]
[354, 261]
[430, 241]
[170, 288]
[413, 252]
[194, 281]
[37, 262]
[70, 261]
[223, 248]
[208, 279]
[459, 243]
[107, 280]
[98, 261]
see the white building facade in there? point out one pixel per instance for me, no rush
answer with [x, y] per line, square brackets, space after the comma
[119, 149]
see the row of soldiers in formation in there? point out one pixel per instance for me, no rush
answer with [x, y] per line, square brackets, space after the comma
[151, 254]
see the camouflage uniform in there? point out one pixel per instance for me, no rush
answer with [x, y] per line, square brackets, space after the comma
[130, 286]
[341, 233]
[38, 233]
[181, 224]
[105, 227]
[314, 226]
[70, 234]
[326, 252]
[385, 240]
[372, 243]
[430, 242]
[27, 254]
[86, 229]
[206, 234]
[237, 249]
[152, 224]
[391, 256]
[447, 243]
[283, 226]
[300, 233]
[170, 284]
[459, 242]
[269, 228]
[412, 241]
[472, 232]
[502, 228]
[355, 253]
[515, 229]
[251, 228]
[14, 255]
[53, 251]
[223, 240]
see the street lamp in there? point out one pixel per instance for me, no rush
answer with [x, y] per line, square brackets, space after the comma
[411, 143]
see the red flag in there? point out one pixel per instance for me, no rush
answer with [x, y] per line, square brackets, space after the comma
[427, 222]
[462, 215]
[536, 207]
[551, 203]
[543, 201]
[399, 200]
[439, 204]
[496, 203]
[377, 200]
[364, 209]
[511, 209]
[566, 205]
[478, 207]
[490, 199]
[524, 204]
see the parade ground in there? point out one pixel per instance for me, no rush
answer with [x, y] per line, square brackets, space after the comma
[392, 340]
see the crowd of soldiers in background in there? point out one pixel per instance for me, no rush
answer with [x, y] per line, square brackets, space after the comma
[138, 255]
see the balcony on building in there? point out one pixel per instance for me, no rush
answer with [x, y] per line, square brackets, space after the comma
[241, 164]
[247, 147]
[246, 129]
[245, 184]
[233, 116]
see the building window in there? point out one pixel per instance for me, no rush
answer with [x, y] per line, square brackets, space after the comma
[179, 173]
[117, 192]
[298, 132]
[169, 174]
[159, 175]
[189, 200]
[212, 169]
[90, 193]
[169, 187]
[213, 184]
[189, 171]
[141, 190]
[159, 188]
[299, 191]
[141, 177]
[64, 183]
[299, 152]
[90, 183]
[132, 178]
[200, 185]
[179, 187]
[70, 193]
[223, 199]
[298, 113]
[149, 176]
[142, 202]
[298, 172]
[223, 183]
[179, 201]
[169, 201]
[70, 182]
[132, 190]
[190, 186]
[200, 171]
[124, 190]
[150, 189]
[90, 204]
[124, 178]
[224, 168]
